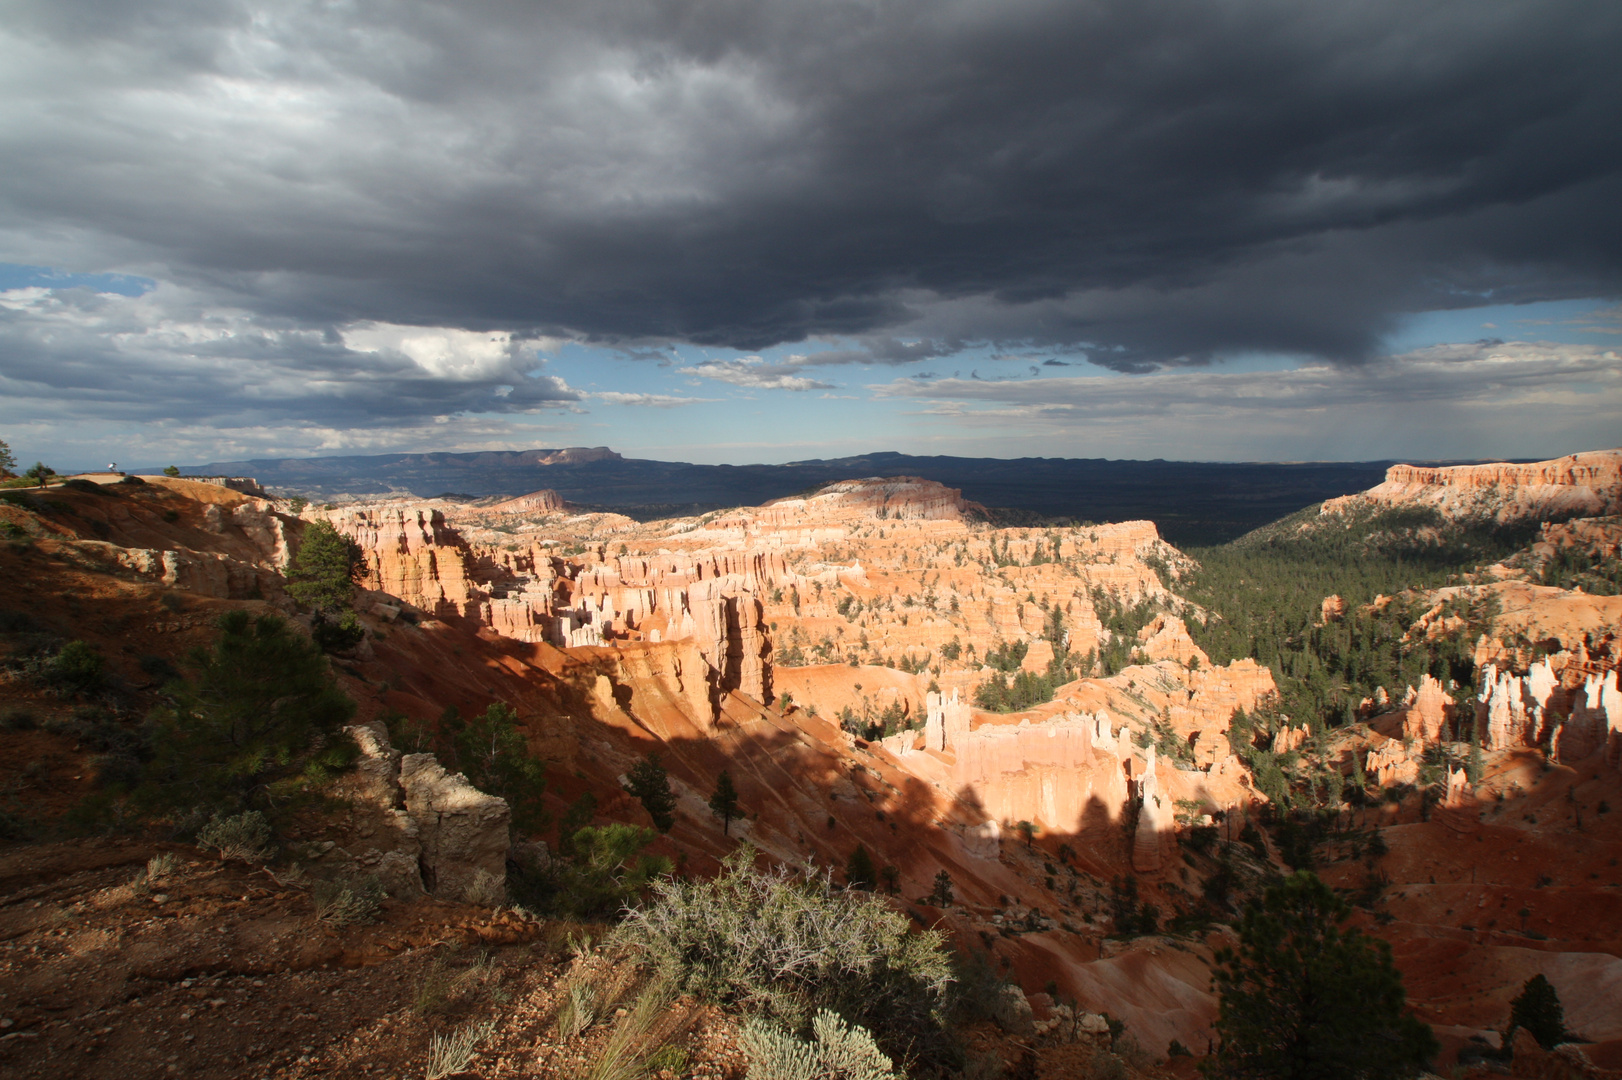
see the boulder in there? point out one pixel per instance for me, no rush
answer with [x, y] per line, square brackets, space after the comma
[400, 875]
[461, 829]
[1012, 1011]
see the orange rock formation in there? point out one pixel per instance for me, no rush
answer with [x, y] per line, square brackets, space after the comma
[1578, 484]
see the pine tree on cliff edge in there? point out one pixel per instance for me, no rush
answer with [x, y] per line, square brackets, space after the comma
[649, 783]
[1304, 999]
[724, 803]
[859, 872]
[1538, 1010]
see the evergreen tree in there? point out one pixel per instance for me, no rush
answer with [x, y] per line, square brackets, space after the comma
[8, 463]
[325, 569]
[1028, 830]
[1538, 1010]
[323, 577]
[260, 714]
[649, 783]
[40, 473]
[724, 803]
[859, 872]
[1303, 998]
[494, 755]
[577, 817]
[942, 894]
[171, 470]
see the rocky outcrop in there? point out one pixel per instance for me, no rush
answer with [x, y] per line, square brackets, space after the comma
[463, 831]
[1428, 711]
[1579, 484]
[412, 553]
[419, 828]
[1153, 818]
[1594, 725]
[531, 594]
[536, 503]
[1286, 739]
[1389, 763]
[1166, 638]
[1509, 708]
[902, 498]
[250, 547]
[1574, 709]
[946, 720]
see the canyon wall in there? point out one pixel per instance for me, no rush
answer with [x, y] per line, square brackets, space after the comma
[533, 594]
[1572, 708]
[1075, 770]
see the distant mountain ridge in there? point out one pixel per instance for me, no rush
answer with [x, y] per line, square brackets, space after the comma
[1191, 502]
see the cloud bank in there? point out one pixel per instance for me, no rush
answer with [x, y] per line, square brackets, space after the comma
[366, 216]
[1177, 178]
[1445, 401]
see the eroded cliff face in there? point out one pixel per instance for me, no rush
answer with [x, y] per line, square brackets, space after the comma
[534, 593]
[863, 572]
[412, 554]
[1578, 484]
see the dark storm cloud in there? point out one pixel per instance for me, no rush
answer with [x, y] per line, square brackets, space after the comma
[1167, 180]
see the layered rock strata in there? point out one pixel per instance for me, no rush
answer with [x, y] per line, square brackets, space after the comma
[1578, 484]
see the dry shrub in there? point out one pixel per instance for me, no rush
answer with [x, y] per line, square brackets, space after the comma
[244, 836]
[345, 902]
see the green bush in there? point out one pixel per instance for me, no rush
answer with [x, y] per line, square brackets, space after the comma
[493, 754]
[1537, 1009]
[601, 874]
[1303, 995]
[346, 902]
[121, 749]
[336, 635]
[770, 942]
[325, 568]
[649, 784]
[77, 669]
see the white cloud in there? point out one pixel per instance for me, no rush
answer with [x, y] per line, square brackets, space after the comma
[653, 401]
[174, 355]
[441, 352]
[754, 373]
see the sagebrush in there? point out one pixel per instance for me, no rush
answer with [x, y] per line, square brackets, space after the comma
[838, 1051]
[787, 947]
[244, 836]
[345, 902]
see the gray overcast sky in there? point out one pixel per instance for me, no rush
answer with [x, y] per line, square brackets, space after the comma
[762, 230]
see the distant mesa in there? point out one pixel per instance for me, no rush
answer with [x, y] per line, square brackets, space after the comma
[568, 455]
[904, 498]
[1586, 484]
